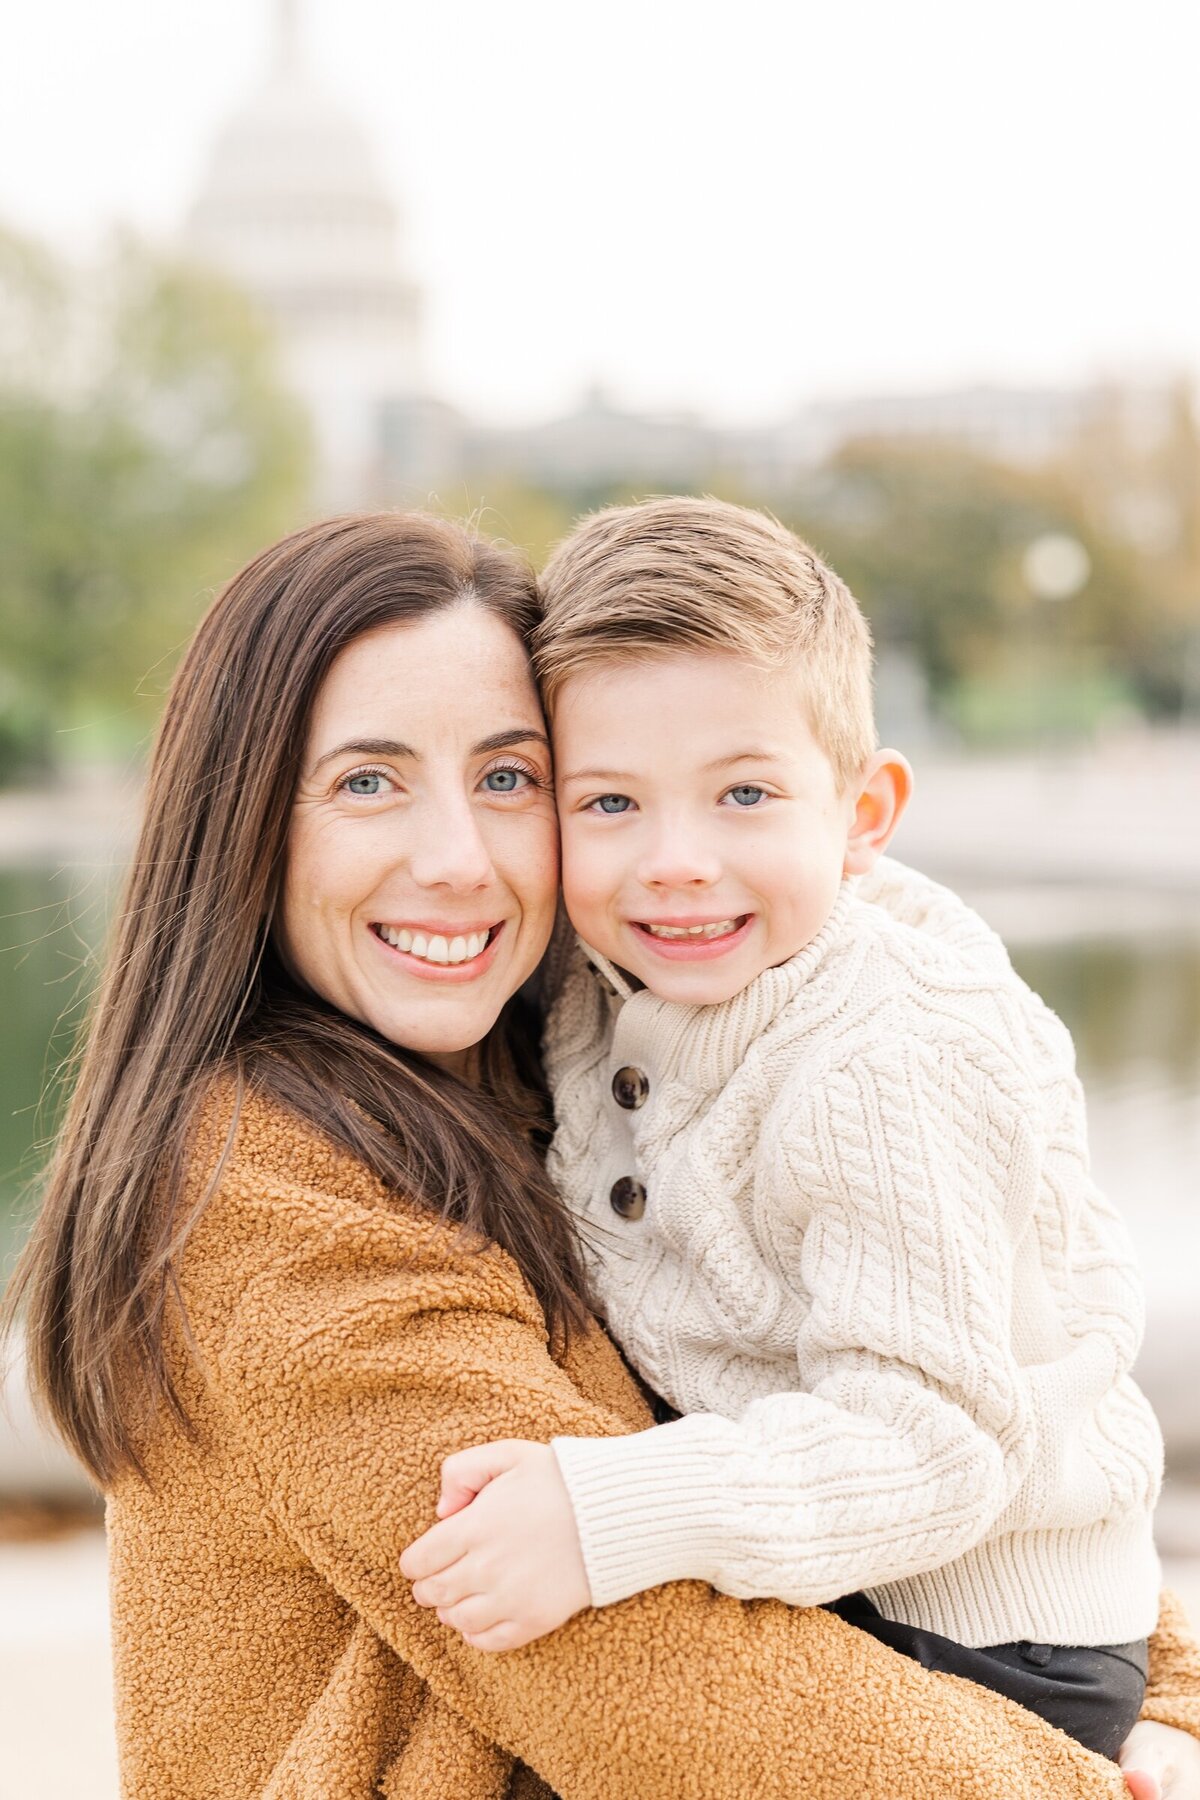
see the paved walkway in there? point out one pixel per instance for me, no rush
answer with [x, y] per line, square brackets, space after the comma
[56, 1737]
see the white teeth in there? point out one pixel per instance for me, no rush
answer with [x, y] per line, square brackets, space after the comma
[435, 949]
[722, 928]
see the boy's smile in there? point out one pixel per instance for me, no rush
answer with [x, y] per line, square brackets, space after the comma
[704, 837]
[689, 940]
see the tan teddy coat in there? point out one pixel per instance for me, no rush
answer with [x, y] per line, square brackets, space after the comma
[266, 1644]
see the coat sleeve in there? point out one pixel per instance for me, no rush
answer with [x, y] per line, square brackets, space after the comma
[1173, 1689]
[372, 1345]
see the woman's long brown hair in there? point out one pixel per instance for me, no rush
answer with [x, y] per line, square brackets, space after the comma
[192, 987]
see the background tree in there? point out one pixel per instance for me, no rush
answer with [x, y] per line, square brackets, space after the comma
[147, 446]
[936, 542]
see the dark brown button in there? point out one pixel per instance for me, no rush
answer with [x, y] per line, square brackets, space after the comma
[628, 1197]
[630, 1088]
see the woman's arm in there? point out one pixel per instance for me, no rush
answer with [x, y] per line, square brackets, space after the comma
[373, 1344]
[1158, 1743]
[1173, 1688]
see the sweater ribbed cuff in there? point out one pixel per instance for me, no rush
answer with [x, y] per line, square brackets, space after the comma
[642, 1505]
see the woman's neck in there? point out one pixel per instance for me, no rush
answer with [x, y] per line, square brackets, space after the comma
[465, 1064]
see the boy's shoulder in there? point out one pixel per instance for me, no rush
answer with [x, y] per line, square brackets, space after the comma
[905, 934]
[917, 965]
[909, 911]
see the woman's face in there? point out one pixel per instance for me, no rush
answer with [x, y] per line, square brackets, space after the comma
[422, 859]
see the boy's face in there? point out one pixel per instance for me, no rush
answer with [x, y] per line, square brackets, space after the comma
[704, 836]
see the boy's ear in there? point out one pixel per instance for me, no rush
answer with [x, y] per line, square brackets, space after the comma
[884, 788]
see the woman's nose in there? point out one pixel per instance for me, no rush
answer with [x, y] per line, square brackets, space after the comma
[450, 850]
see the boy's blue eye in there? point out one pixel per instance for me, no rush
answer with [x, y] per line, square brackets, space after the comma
[613, 803]
[747, 796]
[504, 781]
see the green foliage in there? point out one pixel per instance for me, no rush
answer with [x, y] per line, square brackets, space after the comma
[933, 542]
[146, 447]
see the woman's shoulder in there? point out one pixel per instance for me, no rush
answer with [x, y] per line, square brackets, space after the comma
[277, 1202]
[245, 1135]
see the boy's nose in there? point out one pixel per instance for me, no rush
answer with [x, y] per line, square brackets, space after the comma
[677, 861]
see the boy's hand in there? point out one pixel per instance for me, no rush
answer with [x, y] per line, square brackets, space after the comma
[504, 1565]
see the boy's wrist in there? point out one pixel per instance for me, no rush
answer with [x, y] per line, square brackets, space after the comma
[647, 1506]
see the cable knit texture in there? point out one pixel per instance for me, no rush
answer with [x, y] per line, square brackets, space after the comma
[873, 1270]
[267, 1647]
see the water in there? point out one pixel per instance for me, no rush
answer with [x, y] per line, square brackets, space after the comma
[1133, 1006]
[50, 924]
[1131, 999]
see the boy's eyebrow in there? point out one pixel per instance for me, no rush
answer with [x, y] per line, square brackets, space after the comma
[719, 762]
[498, 740]
[595, 775]
[751, 755]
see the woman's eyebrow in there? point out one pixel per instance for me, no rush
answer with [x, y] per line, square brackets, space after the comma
[497, 740]
[365, 747]
[508, 740]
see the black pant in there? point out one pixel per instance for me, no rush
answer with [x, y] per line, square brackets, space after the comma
[1094, 1695]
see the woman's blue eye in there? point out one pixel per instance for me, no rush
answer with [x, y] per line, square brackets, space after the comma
[613, 803]
[366, 785]
[747, 796]
[504, 781]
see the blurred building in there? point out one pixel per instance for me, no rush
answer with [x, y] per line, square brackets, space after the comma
[292, 206]
[1012, 425]
[599, 445]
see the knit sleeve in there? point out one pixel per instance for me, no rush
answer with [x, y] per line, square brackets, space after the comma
[905, 1427]
[366, 1350]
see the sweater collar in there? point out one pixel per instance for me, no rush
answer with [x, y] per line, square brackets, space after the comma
[704, 1045]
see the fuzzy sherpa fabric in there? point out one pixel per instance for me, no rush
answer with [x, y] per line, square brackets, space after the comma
[266, 1644]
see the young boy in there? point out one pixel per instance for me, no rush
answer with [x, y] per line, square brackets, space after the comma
[827, 1156]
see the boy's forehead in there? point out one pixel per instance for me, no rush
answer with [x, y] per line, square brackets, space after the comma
[714, 703]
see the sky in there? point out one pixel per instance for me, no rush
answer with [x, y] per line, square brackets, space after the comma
[732, 207]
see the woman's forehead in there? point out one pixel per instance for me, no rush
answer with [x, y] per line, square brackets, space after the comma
[456, 672]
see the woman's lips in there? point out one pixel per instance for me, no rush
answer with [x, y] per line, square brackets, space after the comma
[468, 969]
[695, 946]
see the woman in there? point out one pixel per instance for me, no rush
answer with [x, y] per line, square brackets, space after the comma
[297, 1247]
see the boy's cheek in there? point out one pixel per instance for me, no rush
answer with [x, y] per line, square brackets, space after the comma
[588, 887]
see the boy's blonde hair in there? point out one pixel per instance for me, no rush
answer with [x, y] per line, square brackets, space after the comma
[680, 573]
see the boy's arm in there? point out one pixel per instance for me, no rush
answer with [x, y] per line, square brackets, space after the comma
[911, 1176]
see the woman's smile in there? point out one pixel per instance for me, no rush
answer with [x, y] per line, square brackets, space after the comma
[441, 952]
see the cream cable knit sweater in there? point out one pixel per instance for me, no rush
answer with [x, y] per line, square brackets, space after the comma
[873, 1273]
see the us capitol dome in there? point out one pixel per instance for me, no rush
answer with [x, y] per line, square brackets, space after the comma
[293, 208]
